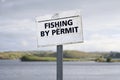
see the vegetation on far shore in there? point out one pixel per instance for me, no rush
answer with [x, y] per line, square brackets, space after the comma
[68, 55]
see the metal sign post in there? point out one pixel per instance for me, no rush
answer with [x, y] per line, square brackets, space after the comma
[58, 29]
[59, 62]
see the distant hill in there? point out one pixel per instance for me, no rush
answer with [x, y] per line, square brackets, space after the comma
[66, 54]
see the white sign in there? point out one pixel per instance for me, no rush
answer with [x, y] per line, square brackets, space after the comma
[60, 28]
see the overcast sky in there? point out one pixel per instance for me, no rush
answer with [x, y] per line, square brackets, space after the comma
[101, 23]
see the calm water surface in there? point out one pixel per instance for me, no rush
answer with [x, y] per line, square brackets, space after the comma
[17, 70]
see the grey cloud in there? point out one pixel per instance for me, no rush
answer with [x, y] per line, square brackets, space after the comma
[13, 41]
[29, 8]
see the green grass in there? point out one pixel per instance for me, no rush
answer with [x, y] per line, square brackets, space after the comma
[36, 58]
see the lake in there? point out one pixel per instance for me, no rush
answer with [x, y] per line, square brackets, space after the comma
[17, 70]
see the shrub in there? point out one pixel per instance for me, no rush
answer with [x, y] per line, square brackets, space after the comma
[109, 59]
[100, 59]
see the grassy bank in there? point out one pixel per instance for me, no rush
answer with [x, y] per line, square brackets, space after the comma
[68, 55]
[37, 58]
